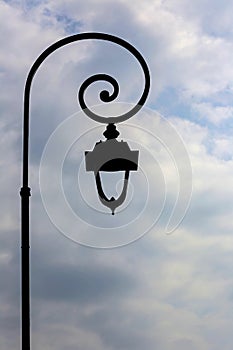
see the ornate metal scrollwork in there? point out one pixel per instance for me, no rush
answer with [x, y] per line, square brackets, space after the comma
[105, 96]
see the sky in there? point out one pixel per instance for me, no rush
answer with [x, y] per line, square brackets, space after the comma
[149, 288]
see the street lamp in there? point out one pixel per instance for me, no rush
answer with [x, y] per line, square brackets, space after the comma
[120, 160]
[111, 156]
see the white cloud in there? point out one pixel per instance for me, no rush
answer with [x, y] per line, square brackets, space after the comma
[214, 114]
[223, 147]
[212, 17]
[170, 291]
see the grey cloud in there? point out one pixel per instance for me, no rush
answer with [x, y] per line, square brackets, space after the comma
[81, 283]
[9, 290]
[159, 287]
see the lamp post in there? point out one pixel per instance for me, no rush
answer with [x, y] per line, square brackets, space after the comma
[25, 191]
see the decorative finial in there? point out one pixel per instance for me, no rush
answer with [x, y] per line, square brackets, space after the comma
[111, 132]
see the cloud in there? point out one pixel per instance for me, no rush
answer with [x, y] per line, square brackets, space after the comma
[162, 291]
[222, 148]
[214, 19]
[215, 114]
[82, 284]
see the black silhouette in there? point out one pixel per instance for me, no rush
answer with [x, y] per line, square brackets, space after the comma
[25, 190]
[111, 155]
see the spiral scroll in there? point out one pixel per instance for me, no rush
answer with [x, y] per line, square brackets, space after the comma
[105, 96]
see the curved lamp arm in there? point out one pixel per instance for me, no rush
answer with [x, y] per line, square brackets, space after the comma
[104, 94]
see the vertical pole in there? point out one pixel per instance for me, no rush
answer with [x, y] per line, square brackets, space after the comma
[25, 237]
[25, 269]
